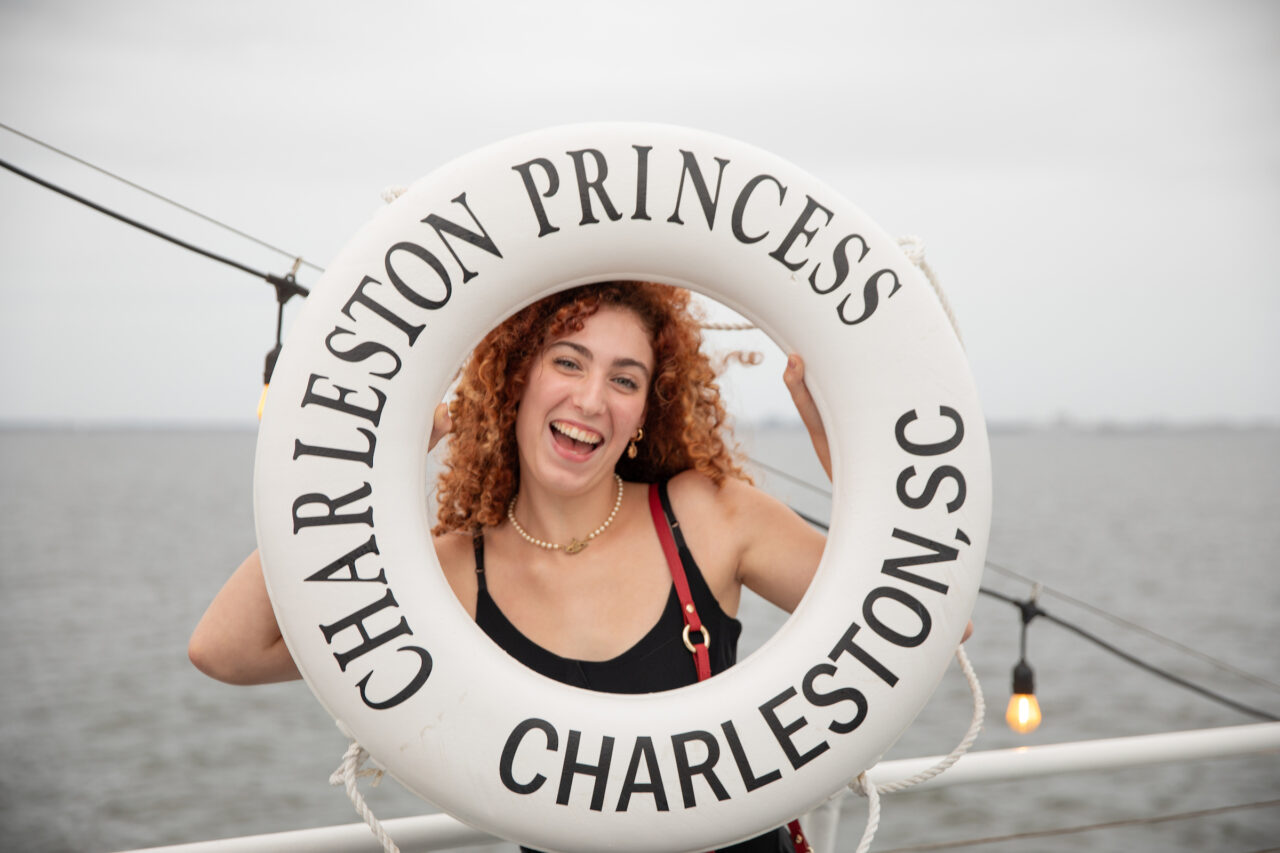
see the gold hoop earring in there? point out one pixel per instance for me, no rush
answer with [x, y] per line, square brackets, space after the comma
[631, 448]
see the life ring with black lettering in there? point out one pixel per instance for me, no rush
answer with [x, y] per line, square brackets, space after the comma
[342, 518]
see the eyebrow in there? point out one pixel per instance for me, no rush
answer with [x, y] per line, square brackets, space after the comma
[617, 362]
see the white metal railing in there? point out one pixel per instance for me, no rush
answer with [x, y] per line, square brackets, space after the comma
[441, 832]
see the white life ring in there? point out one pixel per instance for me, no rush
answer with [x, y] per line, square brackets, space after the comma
[341, 503]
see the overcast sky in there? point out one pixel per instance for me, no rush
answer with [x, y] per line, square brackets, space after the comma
[1097, 184]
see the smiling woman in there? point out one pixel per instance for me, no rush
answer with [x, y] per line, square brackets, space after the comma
[565, 417]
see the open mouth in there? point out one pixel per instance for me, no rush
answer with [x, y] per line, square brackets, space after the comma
[574, 438]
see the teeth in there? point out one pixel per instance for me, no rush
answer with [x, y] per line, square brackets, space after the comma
[575, 433]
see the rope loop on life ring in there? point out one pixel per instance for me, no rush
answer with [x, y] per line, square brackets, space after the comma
[872, 791]
[347, 775]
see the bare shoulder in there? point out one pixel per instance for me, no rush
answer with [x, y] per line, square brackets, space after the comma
[457, 558]
[729, 503]
[720, 521]
[748, 536]
[697, 500]
[692, 485]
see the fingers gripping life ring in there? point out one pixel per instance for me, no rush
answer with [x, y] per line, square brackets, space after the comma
[341, 503]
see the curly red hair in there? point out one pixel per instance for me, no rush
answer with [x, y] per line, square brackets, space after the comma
[685, 423]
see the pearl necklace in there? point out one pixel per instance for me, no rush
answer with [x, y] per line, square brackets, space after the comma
[575, 545]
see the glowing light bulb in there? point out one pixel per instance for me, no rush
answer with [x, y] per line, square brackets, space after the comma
[1023, 714]
[262, 401]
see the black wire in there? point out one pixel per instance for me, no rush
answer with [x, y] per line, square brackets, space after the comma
[787, 476]
[285, 283]
[1031, 610]
[815, 522]
[821, 525]
[1084, 605]
[1181, 682]
[157, 195]
[1123, 655]
[1134, 626]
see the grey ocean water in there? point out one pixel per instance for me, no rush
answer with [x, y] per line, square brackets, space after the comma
[113, 542]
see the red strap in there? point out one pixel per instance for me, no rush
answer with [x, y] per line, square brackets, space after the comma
[696, 636]
[797, 838]
[693, 624]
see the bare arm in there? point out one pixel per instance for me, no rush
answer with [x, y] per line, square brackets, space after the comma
[793, 378]
[238, 640]
[779, 551]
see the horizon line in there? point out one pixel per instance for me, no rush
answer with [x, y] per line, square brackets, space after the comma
[1060, 423]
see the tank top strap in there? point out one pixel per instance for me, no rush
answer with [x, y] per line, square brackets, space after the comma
[477, 543]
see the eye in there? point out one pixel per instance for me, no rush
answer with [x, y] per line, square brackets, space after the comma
[565, 362]
[627, 382]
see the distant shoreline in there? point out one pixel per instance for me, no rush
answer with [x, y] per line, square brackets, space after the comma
[993, 427]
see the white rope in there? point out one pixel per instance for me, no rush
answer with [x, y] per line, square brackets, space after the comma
[727, 327]
[347, 774]
[913, 248]
[863, 786]
[390, 194]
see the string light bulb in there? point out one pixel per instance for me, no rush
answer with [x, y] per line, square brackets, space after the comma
[1023, 714]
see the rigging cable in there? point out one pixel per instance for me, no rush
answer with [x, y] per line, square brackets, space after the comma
[285, 286]
[158, 196]
[1035, 611]
[1093, 638]
[1133, 626]
[1047, 590]
[799, 481]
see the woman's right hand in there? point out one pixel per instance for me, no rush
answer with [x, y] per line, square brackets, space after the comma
[441, 425]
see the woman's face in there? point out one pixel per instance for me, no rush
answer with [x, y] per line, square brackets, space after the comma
[583, 401]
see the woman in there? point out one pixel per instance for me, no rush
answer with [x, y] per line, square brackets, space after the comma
[566, 416]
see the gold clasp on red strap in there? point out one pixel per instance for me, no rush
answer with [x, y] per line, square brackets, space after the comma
[706, 639]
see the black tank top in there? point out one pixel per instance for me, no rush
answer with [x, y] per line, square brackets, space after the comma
[659, 661]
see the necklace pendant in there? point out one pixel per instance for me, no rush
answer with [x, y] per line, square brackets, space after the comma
[575, 546]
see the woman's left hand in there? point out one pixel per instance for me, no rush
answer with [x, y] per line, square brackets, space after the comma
[793, 378]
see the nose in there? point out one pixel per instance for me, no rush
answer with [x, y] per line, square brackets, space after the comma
[589, 396]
